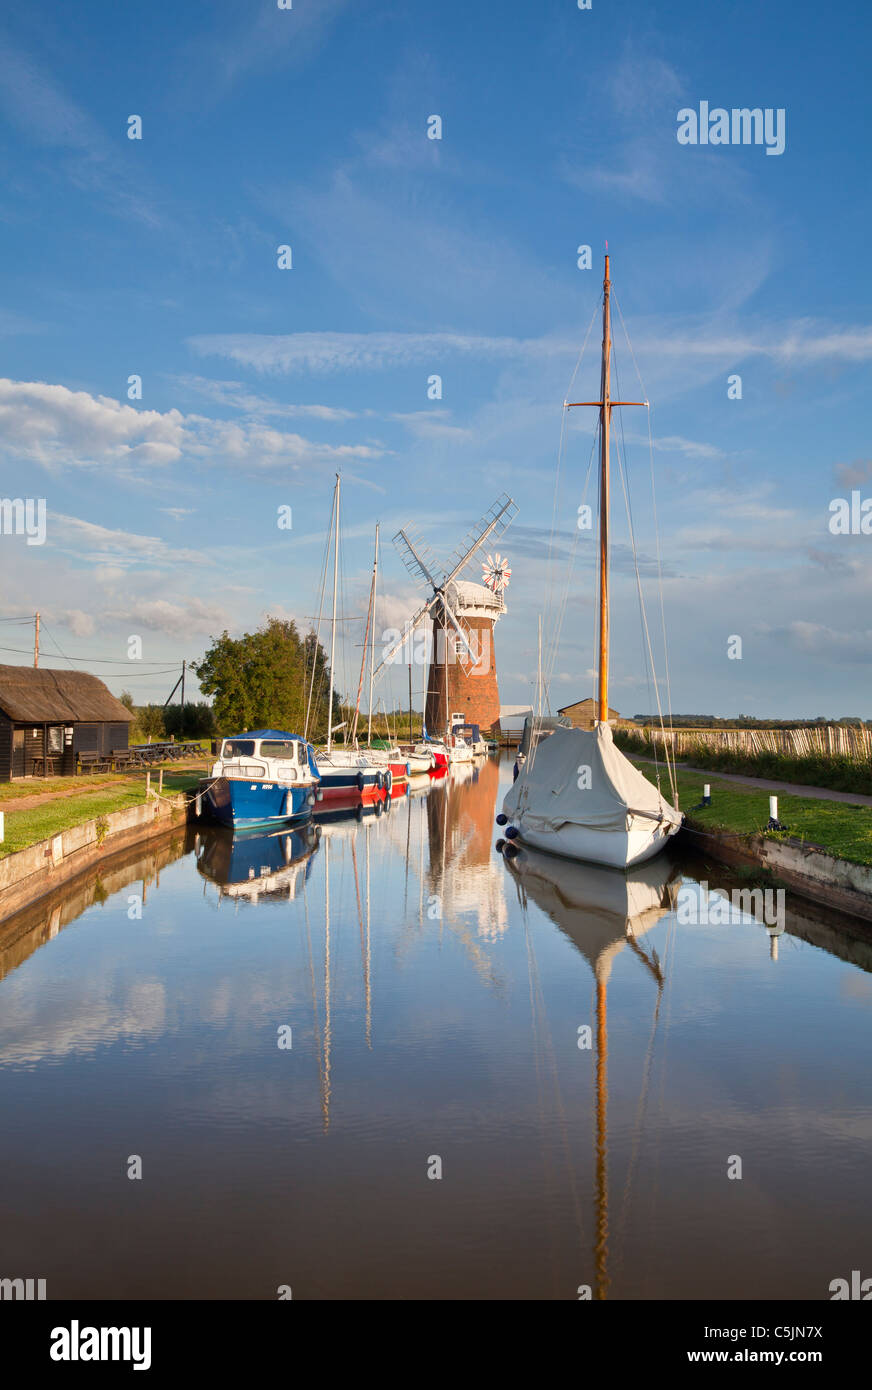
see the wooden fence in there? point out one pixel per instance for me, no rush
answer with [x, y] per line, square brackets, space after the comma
[829, 741]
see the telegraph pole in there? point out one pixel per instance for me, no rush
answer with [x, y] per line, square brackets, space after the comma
[36, 639]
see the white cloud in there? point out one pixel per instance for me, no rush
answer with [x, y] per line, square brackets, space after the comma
[80, 624]
[56, 427]
[178, 619]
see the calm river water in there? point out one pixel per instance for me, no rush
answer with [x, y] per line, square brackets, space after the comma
[429, 997]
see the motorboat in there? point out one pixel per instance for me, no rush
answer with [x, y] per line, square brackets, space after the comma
[262, 777]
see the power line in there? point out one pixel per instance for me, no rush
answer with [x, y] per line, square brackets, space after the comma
[103, 661]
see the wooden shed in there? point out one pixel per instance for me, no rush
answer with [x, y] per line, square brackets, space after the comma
[47, 718]
[583, 714]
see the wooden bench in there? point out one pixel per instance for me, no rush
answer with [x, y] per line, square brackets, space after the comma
[94, 762]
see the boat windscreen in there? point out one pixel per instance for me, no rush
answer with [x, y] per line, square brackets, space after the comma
[238, 748]
[274, 748]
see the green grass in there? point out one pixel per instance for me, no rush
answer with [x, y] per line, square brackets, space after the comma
[24, 828]
[838, 827]
[35, 786]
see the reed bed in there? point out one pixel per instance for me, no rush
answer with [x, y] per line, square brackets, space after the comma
[829, 740]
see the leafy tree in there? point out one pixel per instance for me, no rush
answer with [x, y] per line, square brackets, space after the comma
[148, 723]
[261, 680]
[195, 721]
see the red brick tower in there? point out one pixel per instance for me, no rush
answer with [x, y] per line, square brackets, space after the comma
[458, 684]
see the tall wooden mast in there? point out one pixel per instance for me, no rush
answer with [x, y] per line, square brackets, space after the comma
[333, 629]
[605, 424]
[605, 405]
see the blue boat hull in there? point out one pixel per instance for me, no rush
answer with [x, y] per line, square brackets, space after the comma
[237, 803]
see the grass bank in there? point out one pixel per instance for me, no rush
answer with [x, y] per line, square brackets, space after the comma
[839, 774]
[68, 808]
[838, 827]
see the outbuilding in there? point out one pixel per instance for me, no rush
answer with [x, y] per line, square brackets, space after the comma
[583, 714]
[49, 718]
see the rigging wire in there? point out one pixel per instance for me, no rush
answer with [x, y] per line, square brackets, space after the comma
[621, 453]
[624, 467]
[317, 643]
[671, 750]
[560, 448]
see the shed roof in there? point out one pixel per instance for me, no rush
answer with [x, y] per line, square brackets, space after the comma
[41, 695]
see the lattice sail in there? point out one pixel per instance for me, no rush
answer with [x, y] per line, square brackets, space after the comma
[418, 558]
[489, 529]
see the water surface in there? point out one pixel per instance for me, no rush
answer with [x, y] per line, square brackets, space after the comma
[434, 996]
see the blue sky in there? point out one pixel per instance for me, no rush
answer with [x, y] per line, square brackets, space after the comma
[308, 127]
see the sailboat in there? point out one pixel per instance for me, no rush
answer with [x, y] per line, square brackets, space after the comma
[386, 754]
[343, 772]
[578, 795]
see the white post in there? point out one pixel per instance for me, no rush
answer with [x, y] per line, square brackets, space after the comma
[2, 828]
[707, 791]
[773, 808]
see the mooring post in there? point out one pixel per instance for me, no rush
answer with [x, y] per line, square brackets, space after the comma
[160, 783]
[773, 808]
[198, 805]
[707, 794]
[148, 784]
[2, 830]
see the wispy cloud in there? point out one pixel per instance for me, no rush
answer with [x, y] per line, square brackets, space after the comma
[264, 37]
[33, 101]
[803, 342]
[236, 396]
[120, 550]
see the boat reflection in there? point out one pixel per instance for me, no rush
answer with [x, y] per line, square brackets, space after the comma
[271, 866]
[351, 808]
[601, 911]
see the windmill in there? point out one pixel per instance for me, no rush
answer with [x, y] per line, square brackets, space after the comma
[470, 609]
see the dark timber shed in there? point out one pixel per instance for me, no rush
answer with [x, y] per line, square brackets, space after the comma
[47, 718]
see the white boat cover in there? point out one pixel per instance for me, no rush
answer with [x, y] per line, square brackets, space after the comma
[552, 787]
